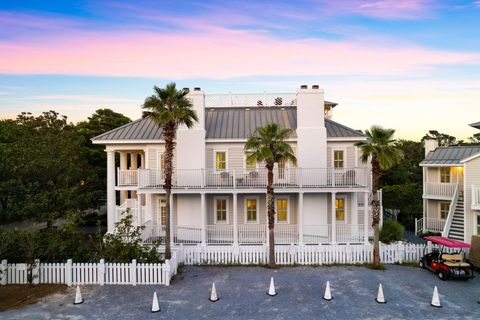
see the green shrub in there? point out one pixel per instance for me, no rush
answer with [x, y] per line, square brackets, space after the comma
[391, 231]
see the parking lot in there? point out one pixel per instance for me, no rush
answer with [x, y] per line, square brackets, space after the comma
[242, 293]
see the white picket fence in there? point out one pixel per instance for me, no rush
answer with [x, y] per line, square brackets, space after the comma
[91, 273]
[303, 255]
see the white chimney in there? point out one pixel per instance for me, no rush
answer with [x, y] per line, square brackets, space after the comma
[430, 144]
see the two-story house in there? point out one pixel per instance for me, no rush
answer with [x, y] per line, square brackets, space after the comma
[219, 198]
[451, 190]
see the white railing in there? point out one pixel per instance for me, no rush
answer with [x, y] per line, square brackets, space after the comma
[316, 234]
[130, 205]
[451, 212]
[430, 224]
[350, 233]
[188, 234]
[153, 233]
[476, 197]
[219, 234]
[252, 233]
[286, 233]
[445, 190]
[127, 178]
[250, 100]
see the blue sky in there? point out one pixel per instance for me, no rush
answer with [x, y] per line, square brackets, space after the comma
[406, 64]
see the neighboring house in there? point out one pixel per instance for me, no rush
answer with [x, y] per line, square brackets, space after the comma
[219, 197]
[451, 190]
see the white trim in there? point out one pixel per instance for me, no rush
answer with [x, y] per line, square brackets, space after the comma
[442, 165]
[215, 160]
[347, 139]
[127, 141]
[470, 158]
[257, 220]
[287, 197]
[345, 214]
[240, 140]
[215, 198]
[356, 155]
[344, 150]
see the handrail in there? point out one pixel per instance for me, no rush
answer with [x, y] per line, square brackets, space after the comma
[451, 211]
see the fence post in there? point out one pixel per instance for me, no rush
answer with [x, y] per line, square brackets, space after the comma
[166, 272]
[3, 272]
[68, 272]
[133, 272]
[101, 272]
[429, 246]
[401, 252]
[35, 272]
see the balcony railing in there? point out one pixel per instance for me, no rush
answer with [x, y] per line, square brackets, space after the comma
[476, 197]
[240, 179]
[429, 224]
[444, 190]
[127, 178]
[250, 100]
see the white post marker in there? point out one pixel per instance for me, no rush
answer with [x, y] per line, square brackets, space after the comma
[155, 306]
[328, 294]
[78, 296]
[213, 295]
[271, 290]
[435, 299]
[380, 297]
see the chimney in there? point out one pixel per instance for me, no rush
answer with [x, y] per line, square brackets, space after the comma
[430, 144]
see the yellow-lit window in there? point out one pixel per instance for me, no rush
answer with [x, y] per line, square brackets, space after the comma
[445, 174]
[220, 160]
[338, 157]
[163, 212]
[340, 209]
[221, 210]
[281, 169]
[251, 165]
[282, 210]
[444, 208]
[251, 210]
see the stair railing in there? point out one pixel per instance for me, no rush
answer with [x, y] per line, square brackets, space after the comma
[451, 211]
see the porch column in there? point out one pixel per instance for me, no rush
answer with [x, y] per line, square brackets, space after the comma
[148, 208]
[134, 166]
[334, 219]
[365, 217]
[354, 209]
[123, 166]
[203, 209]
[111, 201]
[171, 220]
[235, 220]
[142, 160]
[300, 218]
[139, 209]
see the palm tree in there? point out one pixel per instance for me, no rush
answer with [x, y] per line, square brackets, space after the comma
[384, 153]
[169, 108]
[267, 145]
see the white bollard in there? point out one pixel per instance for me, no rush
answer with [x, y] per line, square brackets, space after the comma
[380, 297]
[328, 294]
[271, 291]
[213, 295]
[155, 306]
[78, 296]
[436, 299]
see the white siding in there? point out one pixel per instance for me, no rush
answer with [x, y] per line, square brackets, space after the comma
[472, 176]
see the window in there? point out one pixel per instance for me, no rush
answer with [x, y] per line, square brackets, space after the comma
[282, 210]
[221, 210]
[281, 169]
[340, 209]
[220, 161]
[251, 204]
[338, 156]
[444, 208]
[250, 165]
[163, 212]
[445, 174]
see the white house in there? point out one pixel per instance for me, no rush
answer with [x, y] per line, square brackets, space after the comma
[451, 190]
[219, 198]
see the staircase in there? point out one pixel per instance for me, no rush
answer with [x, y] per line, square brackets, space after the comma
[458, 222]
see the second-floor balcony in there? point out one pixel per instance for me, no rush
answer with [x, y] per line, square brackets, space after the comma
[439, 190]
[240, 179]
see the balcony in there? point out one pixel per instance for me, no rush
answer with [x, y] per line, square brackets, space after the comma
[239, 179]
[476, 197]
[439, 190]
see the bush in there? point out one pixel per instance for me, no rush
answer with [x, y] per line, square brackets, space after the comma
[391, 231]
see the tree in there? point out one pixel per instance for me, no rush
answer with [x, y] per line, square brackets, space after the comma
[267, 145]
[384, 153]
[444, 140]
[169, 108]
[475, 139]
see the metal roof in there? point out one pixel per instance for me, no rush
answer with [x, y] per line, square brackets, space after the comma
[228, 123]
[449, 155]
[476, 125]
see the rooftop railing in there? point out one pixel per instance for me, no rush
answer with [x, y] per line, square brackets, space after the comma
[251, 100]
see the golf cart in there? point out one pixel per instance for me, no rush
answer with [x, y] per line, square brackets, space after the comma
[446, 265]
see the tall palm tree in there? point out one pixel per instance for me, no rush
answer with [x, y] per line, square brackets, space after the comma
[384, 153]
[169, 108]
[267, 145]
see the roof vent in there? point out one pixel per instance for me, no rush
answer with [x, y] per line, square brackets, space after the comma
[315, 86]
[303, 86]
[197, 89]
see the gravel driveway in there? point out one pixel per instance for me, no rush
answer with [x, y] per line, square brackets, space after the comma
[242, 292]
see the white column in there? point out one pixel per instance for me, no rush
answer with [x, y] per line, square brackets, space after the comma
[123, 166]
[365, 217]
[133, 161]
[203, 205]
[111, 201]
[139, 209]
[333, 220]
[354, 208]
[148, 208]
[300, 218]
[235, 220]
[171, 219]
[142, 160]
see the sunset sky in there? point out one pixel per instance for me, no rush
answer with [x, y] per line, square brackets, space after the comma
[405, 64]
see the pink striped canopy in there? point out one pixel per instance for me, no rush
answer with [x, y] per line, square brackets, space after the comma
[450, 243]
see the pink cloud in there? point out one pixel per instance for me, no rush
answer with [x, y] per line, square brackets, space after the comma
[215, 53]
